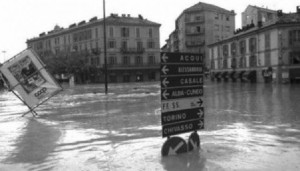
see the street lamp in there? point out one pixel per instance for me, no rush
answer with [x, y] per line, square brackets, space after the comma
[105, 54]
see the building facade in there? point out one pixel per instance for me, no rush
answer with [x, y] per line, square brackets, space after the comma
[254, 14]
[132, 43]
[200, 25]
[263, 53]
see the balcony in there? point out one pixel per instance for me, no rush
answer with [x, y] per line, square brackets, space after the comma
[194, 43]
[194, 33]
[132, 50]
[118, 66]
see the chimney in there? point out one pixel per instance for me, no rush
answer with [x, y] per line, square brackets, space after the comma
[141, 17]
[128, 15]
[279, 13]
[259, 24]
[298, 9]
[123, 15]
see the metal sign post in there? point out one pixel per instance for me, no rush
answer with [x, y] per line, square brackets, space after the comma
[181, 98]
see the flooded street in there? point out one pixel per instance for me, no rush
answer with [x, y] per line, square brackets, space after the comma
[247, 127]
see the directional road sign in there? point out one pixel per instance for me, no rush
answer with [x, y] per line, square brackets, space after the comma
[182, 127]
[177, 93]
[181, 104]
[181, 58]
[173, 146]
[179, 81]
[181, 91]
[182, 115]
[186, 69]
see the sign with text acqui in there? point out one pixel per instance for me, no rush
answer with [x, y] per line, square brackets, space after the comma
[181, 58]
[181, 89]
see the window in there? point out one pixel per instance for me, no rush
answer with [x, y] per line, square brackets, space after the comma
[151, 59]
[216, 16]
[150, 33]
[295, 58]
[125, 32]
[111, 44]
[242, 47]
[96, 32]
[138, 32]
[267, 41]
[252, 44]
[111, 32]
[227, 28]
[225, 64]
[267, 58]
[294, 37]
[124, 45]
[225, 51]
[227, 18]
[112, 60]
[233, 49]
[138, 60]
[150, 44]
[216, 27]
[253, 61]
[139, 45]
[126, 60]
[198, 29]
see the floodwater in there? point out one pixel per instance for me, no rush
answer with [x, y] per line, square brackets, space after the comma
[247, 127]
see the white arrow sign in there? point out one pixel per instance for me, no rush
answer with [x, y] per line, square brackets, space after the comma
[173, 151]
[165, 69]
[194, 144]
[165, 94]
[164, 57]
[165, 82]
[200, 113]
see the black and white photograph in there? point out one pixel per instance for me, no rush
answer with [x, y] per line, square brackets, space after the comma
[149, 85]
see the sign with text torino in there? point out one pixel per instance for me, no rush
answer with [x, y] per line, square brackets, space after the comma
[181, 93]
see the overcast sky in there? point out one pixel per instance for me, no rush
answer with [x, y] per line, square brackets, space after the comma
[25, 19]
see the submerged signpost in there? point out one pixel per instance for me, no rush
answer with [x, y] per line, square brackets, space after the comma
[181, 100]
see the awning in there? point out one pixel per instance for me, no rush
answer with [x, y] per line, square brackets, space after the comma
[231, 74]
[225, 74]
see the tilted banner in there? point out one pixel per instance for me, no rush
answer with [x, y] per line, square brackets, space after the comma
[26, 74]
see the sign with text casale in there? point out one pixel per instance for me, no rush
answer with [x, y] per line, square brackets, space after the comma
[180, 81]
[177, 93]
[182, 58]
[182, 127]
[186, 69]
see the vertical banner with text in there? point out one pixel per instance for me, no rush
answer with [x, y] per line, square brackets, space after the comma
[181, 78]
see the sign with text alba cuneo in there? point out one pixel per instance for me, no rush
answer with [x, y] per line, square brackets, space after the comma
[26, 75]
[181, 93]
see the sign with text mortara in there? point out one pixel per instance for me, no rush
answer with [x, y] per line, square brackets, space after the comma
[181, 76]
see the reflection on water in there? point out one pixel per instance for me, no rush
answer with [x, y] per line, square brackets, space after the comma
[247, 126]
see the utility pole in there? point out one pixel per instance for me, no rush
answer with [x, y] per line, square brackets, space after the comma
[105, 53]
[3, 55]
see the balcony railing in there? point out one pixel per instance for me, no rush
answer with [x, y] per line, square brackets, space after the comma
[132, 50]
[194, 43]
[192, 33]
[118, 66]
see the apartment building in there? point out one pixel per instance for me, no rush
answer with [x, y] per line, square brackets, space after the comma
[200, 25]
[260, 52]
[254, 14]
[133, 49]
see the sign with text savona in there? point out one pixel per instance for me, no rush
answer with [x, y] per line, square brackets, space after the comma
[181, 93]
[26, 74]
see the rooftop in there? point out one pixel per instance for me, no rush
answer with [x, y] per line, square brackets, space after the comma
[113, 19]
[207, 7]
